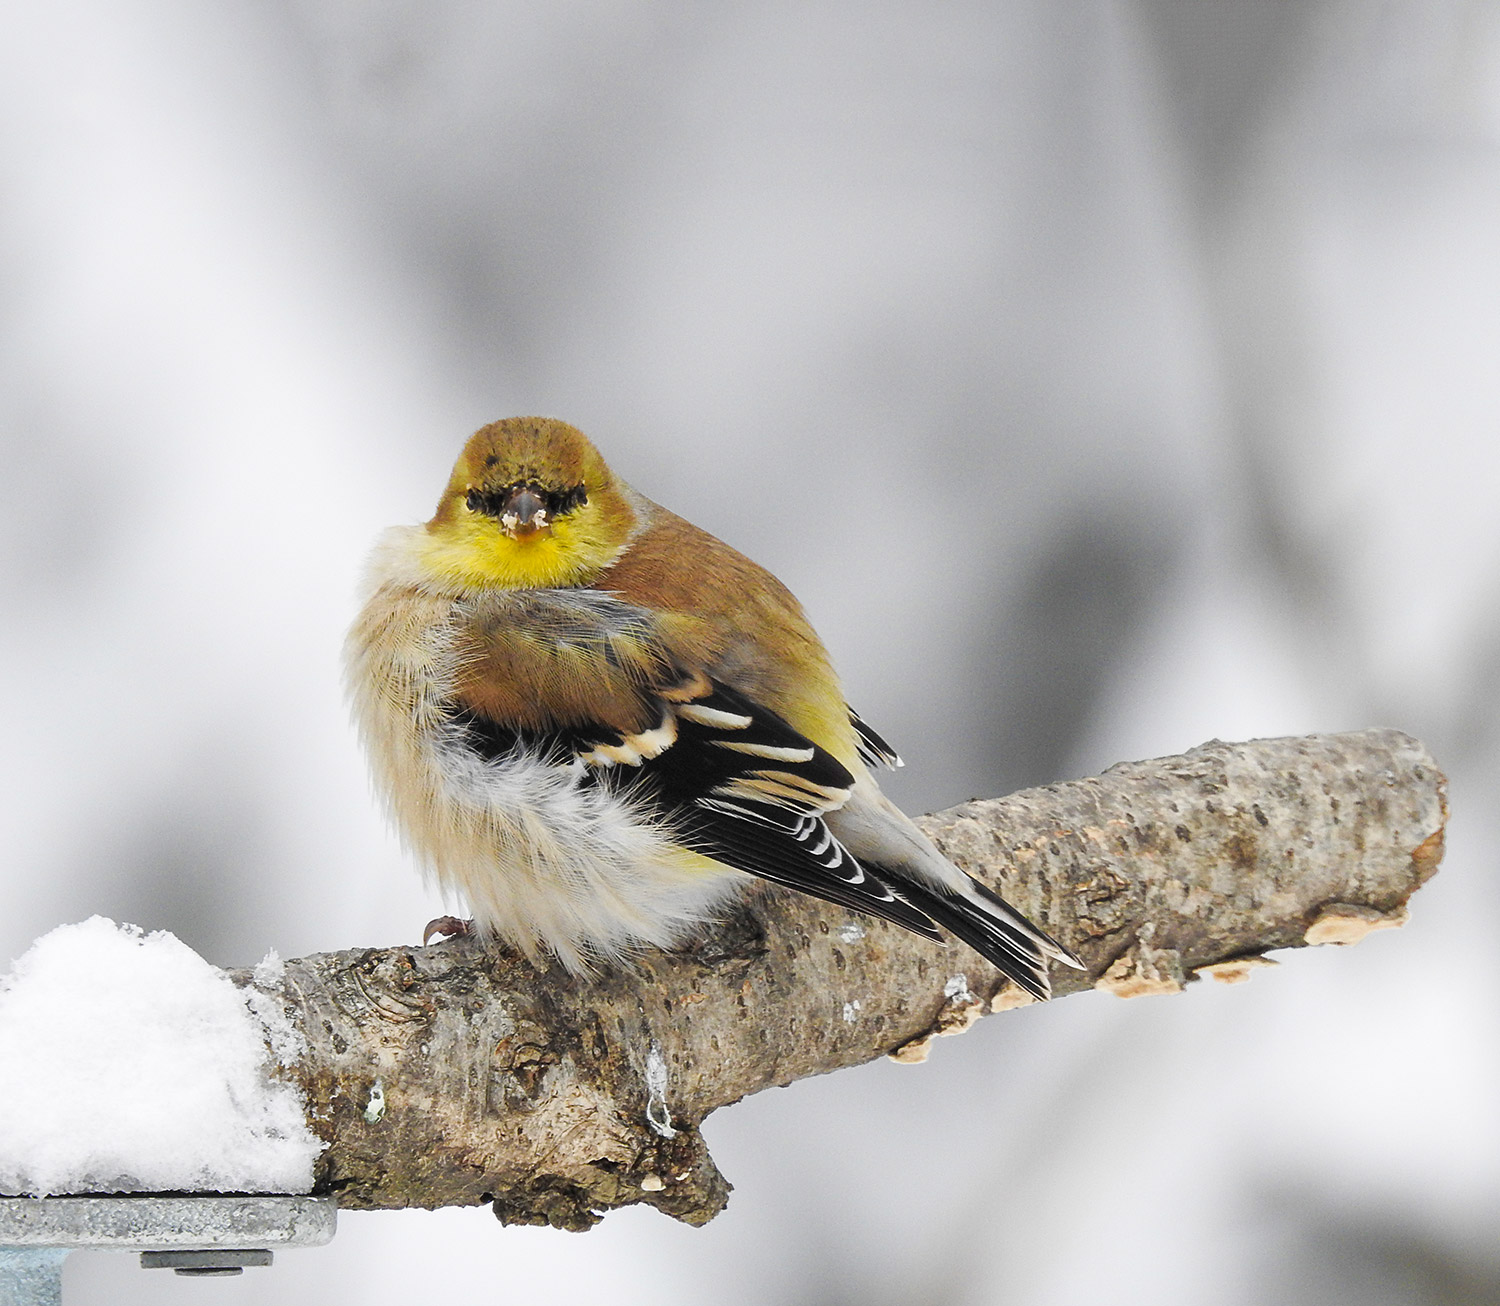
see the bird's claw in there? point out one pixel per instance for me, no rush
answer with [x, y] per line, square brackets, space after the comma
[449, 926]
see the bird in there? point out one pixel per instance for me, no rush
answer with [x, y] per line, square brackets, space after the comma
[600, 726]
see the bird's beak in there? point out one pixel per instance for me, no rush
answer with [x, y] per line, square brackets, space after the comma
[524, 515]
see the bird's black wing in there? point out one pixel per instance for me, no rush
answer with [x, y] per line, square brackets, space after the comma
[731, 779]
[872, 748]
[745, 788]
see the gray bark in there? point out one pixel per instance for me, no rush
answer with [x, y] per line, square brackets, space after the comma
[458, 1074]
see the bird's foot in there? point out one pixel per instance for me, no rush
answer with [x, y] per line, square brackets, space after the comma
[448, 926]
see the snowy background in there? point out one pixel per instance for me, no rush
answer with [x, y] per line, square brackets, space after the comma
[1104, 377]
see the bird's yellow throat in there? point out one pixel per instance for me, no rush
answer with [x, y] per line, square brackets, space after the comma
[475, 553]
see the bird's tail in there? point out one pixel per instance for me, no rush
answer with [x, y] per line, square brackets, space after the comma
[993, 928]
[897, 853]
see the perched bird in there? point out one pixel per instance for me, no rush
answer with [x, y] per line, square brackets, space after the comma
[597, 723]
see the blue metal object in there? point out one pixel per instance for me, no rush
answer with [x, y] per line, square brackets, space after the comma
[31, 1276]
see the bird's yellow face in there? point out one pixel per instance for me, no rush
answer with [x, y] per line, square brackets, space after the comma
[530, 505]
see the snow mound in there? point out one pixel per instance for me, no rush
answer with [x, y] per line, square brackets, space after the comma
[129, 1064]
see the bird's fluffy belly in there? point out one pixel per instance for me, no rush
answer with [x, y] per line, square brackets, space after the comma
[514, 830]
[508, 834]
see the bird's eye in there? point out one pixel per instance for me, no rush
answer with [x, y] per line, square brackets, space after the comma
[474, 501]
[563, 501]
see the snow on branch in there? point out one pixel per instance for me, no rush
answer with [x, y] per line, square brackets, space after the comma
[455, 1075]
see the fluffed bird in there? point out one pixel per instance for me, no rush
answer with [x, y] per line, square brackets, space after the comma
[598, 724]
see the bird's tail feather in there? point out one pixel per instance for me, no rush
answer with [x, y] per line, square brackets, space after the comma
[994, 929]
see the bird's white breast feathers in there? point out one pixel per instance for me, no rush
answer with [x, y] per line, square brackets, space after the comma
[541, 858]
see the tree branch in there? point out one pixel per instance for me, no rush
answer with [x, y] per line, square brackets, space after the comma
[455, 1074]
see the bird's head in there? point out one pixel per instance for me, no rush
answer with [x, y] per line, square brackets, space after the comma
[530, 504]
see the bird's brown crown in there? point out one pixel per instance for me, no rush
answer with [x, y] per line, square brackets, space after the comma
[530, 504]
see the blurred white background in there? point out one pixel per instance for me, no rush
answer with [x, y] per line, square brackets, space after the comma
[1104, 377]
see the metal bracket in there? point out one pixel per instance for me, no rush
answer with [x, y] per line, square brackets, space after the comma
[192, 1235]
